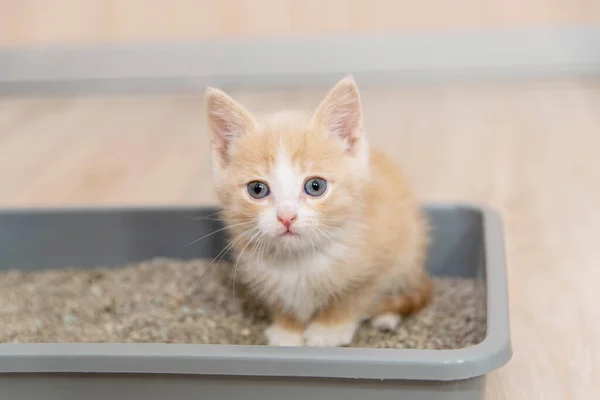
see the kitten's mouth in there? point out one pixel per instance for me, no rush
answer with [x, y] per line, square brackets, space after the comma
[289, 234]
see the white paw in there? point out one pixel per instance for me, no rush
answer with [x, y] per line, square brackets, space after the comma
[318, 335]
[386, 322]
[277, 336]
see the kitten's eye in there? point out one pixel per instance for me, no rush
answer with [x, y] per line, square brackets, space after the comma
[258, 190]
[315, 187]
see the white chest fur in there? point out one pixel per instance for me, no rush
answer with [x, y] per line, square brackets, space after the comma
[301, 285]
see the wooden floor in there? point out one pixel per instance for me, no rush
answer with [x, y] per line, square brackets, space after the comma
[528, 149]
[40, 22]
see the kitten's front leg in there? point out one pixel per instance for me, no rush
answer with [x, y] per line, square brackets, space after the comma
[334, 326]
[284, 331]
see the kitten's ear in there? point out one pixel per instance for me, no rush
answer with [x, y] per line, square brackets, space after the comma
[227, 121]
[341, 113]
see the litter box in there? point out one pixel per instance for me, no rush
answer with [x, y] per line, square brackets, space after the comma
[468, 242]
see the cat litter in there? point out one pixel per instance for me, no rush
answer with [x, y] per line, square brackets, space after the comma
[172, 301]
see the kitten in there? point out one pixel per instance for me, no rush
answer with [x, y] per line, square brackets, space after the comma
[325, 231]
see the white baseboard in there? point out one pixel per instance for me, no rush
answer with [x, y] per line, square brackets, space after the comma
[376, 58]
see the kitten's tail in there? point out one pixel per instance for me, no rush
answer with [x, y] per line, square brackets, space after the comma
[409, 301]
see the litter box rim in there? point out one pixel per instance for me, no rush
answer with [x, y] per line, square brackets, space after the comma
[354, 363]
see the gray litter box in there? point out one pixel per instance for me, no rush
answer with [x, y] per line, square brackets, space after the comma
[467, 242]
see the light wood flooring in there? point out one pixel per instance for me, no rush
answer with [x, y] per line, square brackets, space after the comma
[40, 22]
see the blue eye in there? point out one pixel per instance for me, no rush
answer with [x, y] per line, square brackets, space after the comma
[315, 187]
[258, 190]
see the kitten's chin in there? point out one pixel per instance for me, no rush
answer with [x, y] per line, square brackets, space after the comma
[297, 244]
[290, 239]
[290, 242]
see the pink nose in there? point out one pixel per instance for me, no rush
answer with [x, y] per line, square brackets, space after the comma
[287, 219]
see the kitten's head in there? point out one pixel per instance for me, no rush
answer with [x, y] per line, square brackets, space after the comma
[290, 183]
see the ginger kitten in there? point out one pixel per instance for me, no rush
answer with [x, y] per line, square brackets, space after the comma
[325, 231]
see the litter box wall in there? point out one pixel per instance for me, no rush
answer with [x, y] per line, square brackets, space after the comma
[467, 242]
[96, 387]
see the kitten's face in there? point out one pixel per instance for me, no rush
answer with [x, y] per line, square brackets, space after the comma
[290, 183]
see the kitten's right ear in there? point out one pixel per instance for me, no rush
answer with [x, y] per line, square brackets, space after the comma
[340, 114]
[227, 121]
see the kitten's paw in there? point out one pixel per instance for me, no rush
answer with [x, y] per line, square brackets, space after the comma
[319, 335]
[277, 336]
[386, 322]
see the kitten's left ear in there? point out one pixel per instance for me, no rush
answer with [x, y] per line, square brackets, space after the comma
[341, 113]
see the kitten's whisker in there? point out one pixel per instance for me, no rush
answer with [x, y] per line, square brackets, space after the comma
[218, 219]
[318, 241]
[255, 247]
[345, 225]
[264, 247]
[226, 247]
[238, 259]
[322, 217]
[323, 231]
[334, 221]
[327, 236]
[207, 215]
[212, 233]
[229, 246]
[312, 241]
[325, 239]
[214, 213]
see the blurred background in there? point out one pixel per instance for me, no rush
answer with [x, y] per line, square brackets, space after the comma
[35, 22]
[100, 105]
